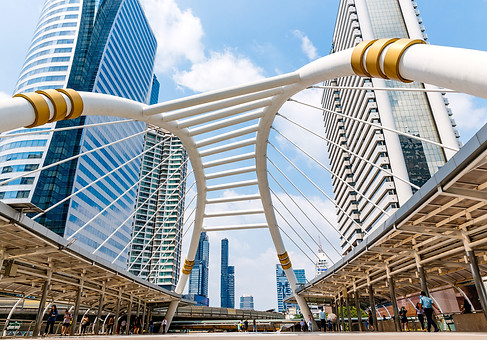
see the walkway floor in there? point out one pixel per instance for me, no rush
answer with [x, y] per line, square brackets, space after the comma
[308, 336]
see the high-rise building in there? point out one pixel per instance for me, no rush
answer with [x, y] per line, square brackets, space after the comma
[155, 252]
[364, 193]
[88, 45]
[198, 279]
[321, 265]
[247, 302]
[227, 281]
[284, 289]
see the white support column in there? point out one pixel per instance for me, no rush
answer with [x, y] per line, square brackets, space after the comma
[4, 333]
[2, 258]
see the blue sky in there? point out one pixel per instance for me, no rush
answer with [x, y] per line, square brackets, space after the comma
[210, 44]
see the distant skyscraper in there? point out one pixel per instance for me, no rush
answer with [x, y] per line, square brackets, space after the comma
[284, 289]
[100, 46]
[421, 114]
[322, 263]
[198, 279]
[155, 252]
[247, 302]
[227, 283]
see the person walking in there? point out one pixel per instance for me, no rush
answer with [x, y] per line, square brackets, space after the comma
[246, 325]
[111, 321]
[310, 324]
[427, 304]
[84, 323]
[151, 326]
[164, 325]
[322, 320]
[254, 326]
[370, 318]
[332, 318]
[301, 323]
[66, 322]
[123, 326]
[404, 319]
[51, 319]
[420, 315]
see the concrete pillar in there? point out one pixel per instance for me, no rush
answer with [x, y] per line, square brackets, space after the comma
[421, 272]
[76, 306]
[2, 258]
[359, 311]
[342, 318]
[149, 318]
[40, 310]
[370, 288]
[392, 292]
[349, 314]
[129, 314]
[100, 310]
[117, 313]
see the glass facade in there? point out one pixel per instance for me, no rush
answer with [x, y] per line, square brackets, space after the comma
[227, 279]
[198, 279]
[247, 302]
[100, 46]
[284, 288]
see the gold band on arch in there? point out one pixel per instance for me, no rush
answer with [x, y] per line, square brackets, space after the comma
[285, 261]
[366, 58]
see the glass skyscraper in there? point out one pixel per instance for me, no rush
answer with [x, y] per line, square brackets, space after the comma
[363, 192]
[283, 287]
[198, 279]
[88, 45]
[227, 282]
[247, 302]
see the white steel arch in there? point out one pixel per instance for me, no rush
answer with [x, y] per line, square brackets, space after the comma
[188, 118]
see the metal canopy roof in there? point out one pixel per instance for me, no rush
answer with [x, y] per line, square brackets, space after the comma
[450, 209]
[35, 249]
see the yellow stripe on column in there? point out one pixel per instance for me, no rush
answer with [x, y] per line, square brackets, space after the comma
[358, 56]
[372, 60]
[40, 106]
[59, 103]
[393, 57]
[76, 103]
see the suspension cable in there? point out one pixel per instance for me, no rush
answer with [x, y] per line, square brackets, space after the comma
[143, 203]
[307, 199]
[98, 179]
[326, 168]
[297, 234]
[165, 219]
[119, 197]
[64, 129]
[71, 158]
[405, 89]
[299, 207]
[377, 125]
[297, 246]
[349, 151]
[138, 232]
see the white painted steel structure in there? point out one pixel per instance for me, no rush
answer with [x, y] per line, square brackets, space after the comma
[258, 102]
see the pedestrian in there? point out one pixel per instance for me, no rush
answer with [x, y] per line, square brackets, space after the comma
[164, 325]
[111, 321]
[51, 319]
[370, 318]
[322, 320]
[420, 315]
[404, 319]
[427, 304]
[123, 326]
[66, 322]
[310, 324]
[246, 325]
[239, 326]
[332, 318]
[151, 326]
[301, 323]
[84, 323]
[254, 324]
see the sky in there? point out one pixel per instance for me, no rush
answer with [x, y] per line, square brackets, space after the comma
[205, 45]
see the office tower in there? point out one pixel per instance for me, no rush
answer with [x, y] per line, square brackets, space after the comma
[365, 194]
[227, 282]
[284, 289]
[321, 265]
[198, 279]
[247, 302]
[155, 252]
[90, 45]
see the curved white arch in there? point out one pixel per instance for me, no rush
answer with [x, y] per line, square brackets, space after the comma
[453, 68]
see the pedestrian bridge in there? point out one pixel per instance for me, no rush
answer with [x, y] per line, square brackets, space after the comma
[232, 128]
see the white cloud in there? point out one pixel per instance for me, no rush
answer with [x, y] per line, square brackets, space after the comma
[306, 45]
[178, 34]
[468, 115]
[4, 95]
[218, 71]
